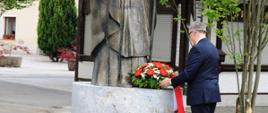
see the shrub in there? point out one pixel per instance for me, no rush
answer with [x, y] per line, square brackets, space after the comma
[56, 26]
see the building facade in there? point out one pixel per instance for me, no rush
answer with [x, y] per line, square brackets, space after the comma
[20, 26]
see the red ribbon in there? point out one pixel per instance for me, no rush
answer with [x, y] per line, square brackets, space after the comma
[179, 100]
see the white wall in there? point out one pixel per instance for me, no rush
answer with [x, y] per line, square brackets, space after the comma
[87, 34]
[162, 38]
[85, 67]
[228, 82]
[235, 27]
[26, 25]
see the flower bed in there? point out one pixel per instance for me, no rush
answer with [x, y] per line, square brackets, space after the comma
[7, 49]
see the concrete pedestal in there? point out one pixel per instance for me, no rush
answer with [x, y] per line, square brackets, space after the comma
[87, 98]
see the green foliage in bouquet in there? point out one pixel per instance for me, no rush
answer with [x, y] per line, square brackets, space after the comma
[148, 82]
[149, 75]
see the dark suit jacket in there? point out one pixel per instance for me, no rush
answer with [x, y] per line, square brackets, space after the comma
[201, 73]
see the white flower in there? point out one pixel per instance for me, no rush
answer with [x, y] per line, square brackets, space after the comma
[143, 75]
[150, 65]
[169, 71]
[156, 77]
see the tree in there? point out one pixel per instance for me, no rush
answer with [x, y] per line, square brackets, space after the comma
[56, 26]
[255, 40]
[11, 4]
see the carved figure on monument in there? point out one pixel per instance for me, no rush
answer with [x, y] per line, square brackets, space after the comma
[121, 38]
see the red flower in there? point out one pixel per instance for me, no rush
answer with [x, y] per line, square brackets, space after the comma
[138, 72]
[163, 72]
[6, 48]
[144, 65]
[173, 74]
[67, 54]
[150, 72]
[158, 65]
[168, 67]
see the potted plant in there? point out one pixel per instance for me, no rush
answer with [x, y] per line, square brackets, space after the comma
[68, 54]
[6, 51]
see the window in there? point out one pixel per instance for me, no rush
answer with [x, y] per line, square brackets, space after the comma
[10, 28]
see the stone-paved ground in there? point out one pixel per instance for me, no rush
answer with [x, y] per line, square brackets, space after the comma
[38, 86]
[258, 109]
[228, 109]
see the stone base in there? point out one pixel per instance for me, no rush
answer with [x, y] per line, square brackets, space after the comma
[88, 98]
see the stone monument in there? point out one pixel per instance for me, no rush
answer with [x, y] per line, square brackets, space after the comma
[121, 38]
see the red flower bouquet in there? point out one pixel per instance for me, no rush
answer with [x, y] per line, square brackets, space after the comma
[148, 75]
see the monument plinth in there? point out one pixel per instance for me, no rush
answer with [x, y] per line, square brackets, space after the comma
[88, 98]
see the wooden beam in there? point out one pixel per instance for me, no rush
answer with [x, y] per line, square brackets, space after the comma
[231, 68]
[174, 40]
[80, 35]
[167, 10]
[186, 11]
[86, 58]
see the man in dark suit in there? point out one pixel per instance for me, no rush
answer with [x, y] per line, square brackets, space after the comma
[201, 72]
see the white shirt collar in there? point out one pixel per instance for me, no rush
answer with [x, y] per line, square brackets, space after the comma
[199, 40]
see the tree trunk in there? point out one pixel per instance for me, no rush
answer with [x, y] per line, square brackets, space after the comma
[238, 107]
[53, 58]
[248, 106]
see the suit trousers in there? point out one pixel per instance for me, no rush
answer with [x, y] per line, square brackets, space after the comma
[203, 108]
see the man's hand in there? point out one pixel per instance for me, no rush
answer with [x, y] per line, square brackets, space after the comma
[165, 83]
